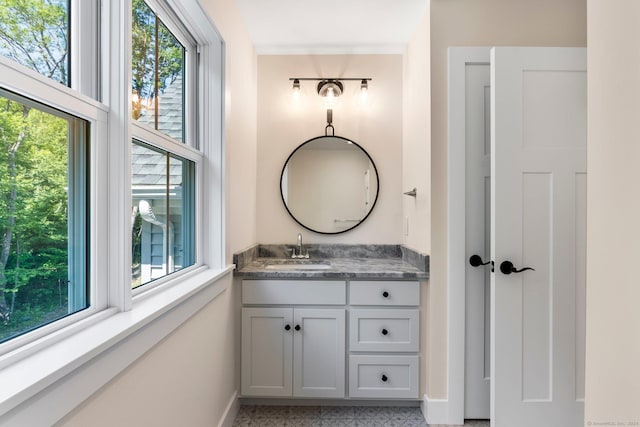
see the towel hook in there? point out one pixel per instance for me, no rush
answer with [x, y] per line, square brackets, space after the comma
[412, 193]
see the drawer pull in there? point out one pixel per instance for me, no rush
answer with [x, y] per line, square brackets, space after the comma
[385, 294]
[384, 332]
[384, 378]
[287, 327]
[297, 327]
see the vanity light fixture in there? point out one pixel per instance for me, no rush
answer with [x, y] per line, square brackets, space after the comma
[330, 87]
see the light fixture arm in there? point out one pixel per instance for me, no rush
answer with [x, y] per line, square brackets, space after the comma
[329, 124]
[330, 86]
[318, 79]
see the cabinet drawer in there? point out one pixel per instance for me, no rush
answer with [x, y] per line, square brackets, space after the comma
[384, 330]
[384, 293]
[383, 376]
[311, 292]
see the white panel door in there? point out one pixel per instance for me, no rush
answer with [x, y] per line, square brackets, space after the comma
[267, 351]
[478, 237]
[538, 136]
[319, 352]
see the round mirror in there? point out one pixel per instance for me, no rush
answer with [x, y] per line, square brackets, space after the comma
[329, 184]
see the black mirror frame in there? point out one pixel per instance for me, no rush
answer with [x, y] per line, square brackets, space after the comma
[375, 200]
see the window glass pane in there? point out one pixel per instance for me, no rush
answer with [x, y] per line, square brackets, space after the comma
[157, 73]
[35, 33]
[163, 218]
[182, 211]
[42, 215]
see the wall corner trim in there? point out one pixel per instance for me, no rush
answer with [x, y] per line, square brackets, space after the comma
[438, 411]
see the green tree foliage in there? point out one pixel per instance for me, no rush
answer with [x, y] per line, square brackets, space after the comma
[33, 274]
[33, 172]
[157, 57]
[35, 33]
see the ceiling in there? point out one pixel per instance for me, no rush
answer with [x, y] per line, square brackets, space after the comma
[331, 26]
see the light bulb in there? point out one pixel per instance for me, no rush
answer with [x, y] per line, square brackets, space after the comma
[330, 93]
[364, 91]
[329, 98]
[296, 89]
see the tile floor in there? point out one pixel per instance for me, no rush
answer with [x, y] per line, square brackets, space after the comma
[338, 416]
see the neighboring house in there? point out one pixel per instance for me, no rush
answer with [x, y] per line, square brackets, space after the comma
[161, 239]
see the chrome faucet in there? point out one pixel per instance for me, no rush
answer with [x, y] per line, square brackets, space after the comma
[300, 253]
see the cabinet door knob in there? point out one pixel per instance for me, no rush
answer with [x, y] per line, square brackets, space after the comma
[384, 332]
[384, 378]
[287, 327]
[297, 327]
[385, 294]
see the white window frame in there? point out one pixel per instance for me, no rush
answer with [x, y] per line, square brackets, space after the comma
[32, 85]
[35, 367]
[85, 72]
[157, 139]
[194, 137]
[178, 30]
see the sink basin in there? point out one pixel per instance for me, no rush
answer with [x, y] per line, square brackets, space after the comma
[297, 265]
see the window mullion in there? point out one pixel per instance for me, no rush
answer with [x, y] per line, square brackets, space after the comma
[116, 60]
[85, 47]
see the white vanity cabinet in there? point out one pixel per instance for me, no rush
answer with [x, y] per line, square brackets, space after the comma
[295, 337]
[297, 348]
[384, 339]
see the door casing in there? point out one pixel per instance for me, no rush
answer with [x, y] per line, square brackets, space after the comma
[451, 410]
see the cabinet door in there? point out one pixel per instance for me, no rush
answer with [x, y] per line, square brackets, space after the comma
[319, 353]
[267, 351]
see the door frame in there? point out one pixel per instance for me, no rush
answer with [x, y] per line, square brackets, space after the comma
[451, 411]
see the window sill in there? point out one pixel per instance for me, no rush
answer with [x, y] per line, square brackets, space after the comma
[23, 381]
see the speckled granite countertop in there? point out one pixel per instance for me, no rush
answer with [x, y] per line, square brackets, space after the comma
[333, 262]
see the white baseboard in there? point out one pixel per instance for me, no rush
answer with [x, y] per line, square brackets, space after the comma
[438, 411]
[230, 411]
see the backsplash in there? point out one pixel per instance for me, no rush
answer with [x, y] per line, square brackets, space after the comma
[417, 259]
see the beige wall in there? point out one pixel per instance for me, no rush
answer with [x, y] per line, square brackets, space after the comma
[186, 380]
[613, 209]
[240, 125]
[416, 166]
[190, 377]
[283, 124]
[477, 23]
[416, 133]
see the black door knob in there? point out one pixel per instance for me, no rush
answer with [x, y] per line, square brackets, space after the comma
[507, 268]
[384, 332]
[384, 378]
[476, 261]
[385, 294]
[297, 327]
[287, 327]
